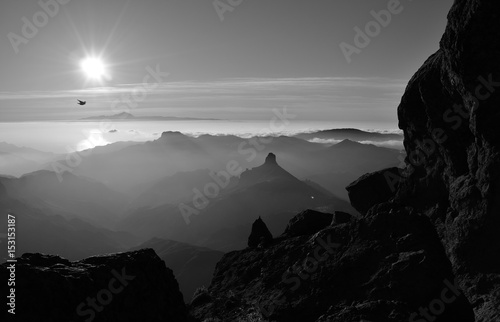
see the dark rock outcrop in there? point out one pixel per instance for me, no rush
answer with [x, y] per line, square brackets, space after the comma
[340, 217]
[373, 188]
[260, 235]
[384, 267]
[449, 114]
[307, 222]
[132, 286]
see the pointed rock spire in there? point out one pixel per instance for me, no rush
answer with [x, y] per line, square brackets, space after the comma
[271, 159]
[260, 235]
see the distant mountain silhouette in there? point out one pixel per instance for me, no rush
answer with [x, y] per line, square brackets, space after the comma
[347, 144]
[176, 152]
[351, 134]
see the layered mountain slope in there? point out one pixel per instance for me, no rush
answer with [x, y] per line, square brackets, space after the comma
[68, 195]
[44, 232]
[220, 211]
[268, 191]
[124, 169]
[350, 134]
[16, 161]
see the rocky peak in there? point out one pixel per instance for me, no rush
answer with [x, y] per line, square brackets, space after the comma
[260, 235]
[271, 159]
[269, 170]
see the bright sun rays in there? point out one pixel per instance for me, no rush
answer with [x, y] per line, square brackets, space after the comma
[94, 68]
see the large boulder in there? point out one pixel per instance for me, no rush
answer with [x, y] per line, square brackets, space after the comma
[373, 188]
[340, 217]
[307, 222]
[132, 286]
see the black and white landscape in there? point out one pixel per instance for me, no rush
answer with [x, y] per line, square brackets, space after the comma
[220, 161]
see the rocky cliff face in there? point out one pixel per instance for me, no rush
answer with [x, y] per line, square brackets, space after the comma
[133, 286]
[450, 115]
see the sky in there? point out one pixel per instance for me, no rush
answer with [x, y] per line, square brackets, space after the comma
[225, 59]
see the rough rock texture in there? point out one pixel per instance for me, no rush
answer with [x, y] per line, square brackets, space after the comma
[51, 288]
[373, 188]
[380, 268]
[260, 235]
[450, 115]
[340, 217]
[308, 222]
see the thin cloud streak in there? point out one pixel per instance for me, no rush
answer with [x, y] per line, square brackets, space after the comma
[339, 99]
[229, 86]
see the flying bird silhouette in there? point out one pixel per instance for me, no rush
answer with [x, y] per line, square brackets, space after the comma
[81, 102]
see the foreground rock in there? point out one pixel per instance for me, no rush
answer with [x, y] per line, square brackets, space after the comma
[450, 115]
[307, 222]
[386, 267]
[260, 235]
[373, 188]
[132, 286]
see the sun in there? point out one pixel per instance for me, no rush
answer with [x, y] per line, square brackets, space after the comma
[93, 67]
